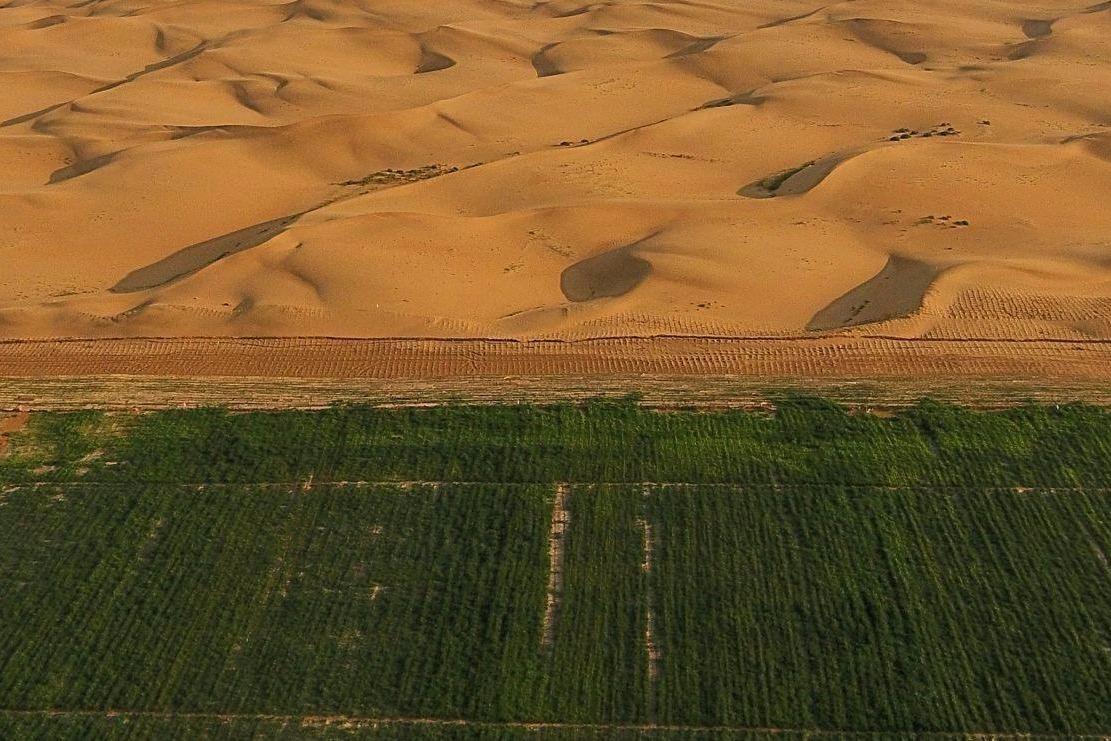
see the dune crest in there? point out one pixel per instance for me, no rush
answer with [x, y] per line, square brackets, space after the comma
[474, 168]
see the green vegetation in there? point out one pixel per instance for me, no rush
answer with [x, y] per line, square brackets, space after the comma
[773, 183]
[239, 599]
[907, 610]
[222, 575]
[806, 442]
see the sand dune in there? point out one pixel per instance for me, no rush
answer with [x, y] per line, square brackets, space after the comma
[555, 169]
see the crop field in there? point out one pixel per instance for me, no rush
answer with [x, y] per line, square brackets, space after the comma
[561, 572]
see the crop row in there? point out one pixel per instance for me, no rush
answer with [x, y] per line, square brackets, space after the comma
[833, 608]
[384, 602]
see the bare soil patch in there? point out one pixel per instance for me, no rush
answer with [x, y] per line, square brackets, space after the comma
[557, 536]
[246, 373]
[9, 424]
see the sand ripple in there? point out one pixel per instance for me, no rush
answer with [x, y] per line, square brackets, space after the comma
[563, 168]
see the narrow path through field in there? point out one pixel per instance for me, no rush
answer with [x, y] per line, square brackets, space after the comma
[649, 617]
[557, 536]
[300, 485]
[349, 722]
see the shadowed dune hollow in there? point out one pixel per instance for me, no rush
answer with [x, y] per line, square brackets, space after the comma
[474, 168]
[609, 274]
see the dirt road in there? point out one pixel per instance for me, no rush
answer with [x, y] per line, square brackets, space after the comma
[666, 371]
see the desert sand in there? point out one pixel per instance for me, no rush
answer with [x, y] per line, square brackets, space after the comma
[572, 169]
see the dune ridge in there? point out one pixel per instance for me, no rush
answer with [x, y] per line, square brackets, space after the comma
[555, 170]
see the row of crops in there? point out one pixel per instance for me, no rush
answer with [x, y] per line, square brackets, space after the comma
[384, 602]
[804, 442]
[840, 608]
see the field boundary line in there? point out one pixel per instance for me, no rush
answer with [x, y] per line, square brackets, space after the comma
[309, 721]
[309, 484]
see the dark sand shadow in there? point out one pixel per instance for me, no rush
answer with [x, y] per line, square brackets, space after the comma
[433, 61]
[697, 47]
[607, 275]
[80, 168]
[750, 99]
[164, 64]
[895, 291]
[796, 180]
[543, 64]
[191, 259]
[1037, 29]
[873, 32]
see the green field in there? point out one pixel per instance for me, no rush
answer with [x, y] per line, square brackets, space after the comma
[362, 572]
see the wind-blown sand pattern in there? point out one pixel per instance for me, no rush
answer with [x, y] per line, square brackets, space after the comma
[555, 169]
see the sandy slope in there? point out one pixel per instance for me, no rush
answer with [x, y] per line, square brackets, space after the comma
[559, 168]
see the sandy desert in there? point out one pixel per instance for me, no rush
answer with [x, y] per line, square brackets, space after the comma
[570, 169]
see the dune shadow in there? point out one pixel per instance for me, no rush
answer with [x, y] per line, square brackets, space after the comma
[1024, 50]
[433, 61]
[791, 19]
[796, 180]
[896, 291]
[749, 99]
[301, 9]
[80, 168]
[697, 47]
[1037, 29]
[47, 22]
[607, 275]
[910, 57]
[195, 257]
[543, 64]
[177, 59]
[880, 34]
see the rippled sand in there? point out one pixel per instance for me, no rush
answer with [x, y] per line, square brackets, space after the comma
[484, 168]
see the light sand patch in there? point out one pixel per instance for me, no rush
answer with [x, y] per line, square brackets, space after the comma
[11, 423]
[557, 538]
[650, 646]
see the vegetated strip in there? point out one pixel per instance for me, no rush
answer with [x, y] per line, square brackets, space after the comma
[369, 720]
[744, 585]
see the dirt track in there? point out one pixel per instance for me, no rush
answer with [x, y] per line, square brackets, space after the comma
[666, 370]
[354, 722]
[826, 357]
